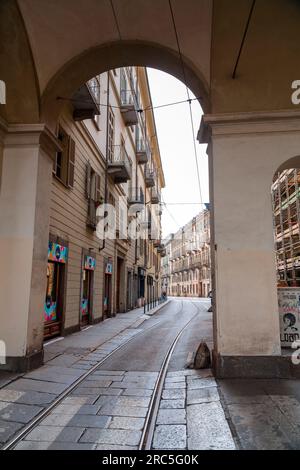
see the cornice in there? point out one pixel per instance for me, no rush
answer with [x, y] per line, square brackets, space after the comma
[248, 123]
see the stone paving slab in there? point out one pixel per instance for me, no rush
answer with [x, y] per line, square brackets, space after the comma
[33, 445]
[121, 410]
[37, 386]
[119, 422]
[201, 383]
[8, 429]
[55, 433]
[95, 391]
[171, 394]
[112, 436]
[207, 428]
[169, 404]
[170, 437]
[172, 385]
[65, 409]
[171, 416]
[19, 413]
[202, 395]
[81, 420]
[109, 372]
[27, 398]
[137, 392]
[96, 383]
[176, 378]
[133, 401]
[112, 447]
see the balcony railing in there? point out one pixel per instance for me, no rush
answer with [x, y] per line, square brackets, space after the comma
[142, 152]
[155, 196]
[120, 165]
[129, 107]
[135, 196]
[149, 177]
[86, 102]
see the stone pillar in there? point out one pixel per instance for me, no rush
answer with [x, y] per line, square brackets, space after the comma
[27, 152]
[244, 153]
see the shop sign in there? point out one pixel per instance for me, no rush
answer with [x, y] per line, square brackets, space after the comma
[57, 253]
[90, 263]
[108, 268]
[49, 310]
[289, 313]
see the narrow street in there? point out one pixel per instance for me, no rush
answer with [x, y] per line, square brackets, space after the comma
[107, 410]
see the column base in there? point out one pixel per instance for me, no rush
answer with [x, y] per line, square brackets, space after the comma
[255, 367]
[23, 363]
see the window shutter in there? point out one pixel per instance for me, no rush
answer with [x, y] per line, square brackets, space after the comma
[71, 162]
[97, 188]
[88, 180]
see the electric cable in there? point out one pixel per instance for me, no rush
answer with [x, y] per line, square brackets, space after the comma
[188, 96]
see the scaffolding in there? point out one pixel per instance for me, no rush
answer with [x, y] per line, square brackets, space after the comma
[286, 216]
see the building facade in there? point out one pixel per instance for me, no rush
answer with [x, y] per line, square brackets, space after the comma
[286, 216]
[186, 268]
[103, 255]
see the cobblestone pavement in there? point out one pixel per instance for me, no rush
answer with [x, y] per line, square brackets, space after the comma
[24, 396]
[106, 412]
[191, 415]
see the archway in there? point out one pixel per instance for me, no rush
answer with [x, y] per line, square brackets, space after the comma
[286, 218]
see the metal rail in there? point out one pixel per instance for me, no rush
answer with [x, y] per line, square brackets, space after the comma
[30, 426]
[149, 427]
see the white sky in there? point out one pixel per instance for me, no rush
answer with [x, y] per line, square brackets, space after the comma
[175, 139]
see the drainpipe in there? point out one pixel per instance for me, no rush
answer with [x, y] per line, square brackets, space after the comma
[106, 157]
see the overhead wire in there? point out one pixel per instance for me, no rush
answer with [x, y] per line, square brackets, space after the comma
[189, 99]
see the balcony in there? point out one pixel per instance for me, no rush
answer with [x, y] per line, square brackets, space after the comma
[119, 167]
[86, 101]
[149, 177]
[156, 243]
[135, 196]
[155, 196]
[161, 250]
[128, 108]
[142, 152]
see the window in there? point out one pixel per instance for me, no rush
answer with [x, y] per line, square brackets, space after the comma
[93, 195]
[64, 165]
[111, 135]
[94, 86]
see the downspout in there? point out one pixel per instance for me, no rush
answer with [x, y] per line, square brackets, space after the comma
[106, 157]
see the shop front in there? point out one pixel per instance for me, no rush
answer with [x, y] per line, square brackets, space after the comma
[54, 301]
[86, 304]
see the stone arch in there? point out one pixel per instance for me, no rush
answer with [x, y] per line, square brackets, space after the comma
[113, 55]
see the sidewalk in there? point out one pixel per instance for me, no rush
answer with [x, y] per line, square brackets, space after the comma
[23, 396]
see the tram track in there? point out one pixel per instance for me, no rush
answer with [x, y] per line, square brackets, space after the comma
[150, 420]
[149, 428]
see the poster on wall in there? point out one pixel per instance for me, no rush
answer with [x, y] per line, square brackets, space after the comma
[49, 310]
[90, 263]
[108, 268]
[57, 253]
[289, 313]
[84, 307]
